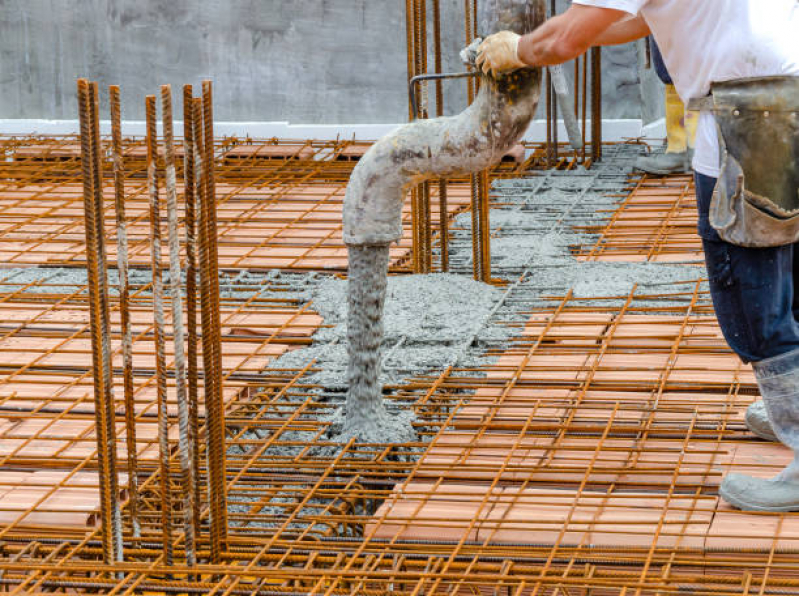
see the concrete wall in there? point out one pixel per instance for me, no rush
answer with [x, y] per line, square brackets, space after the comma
[305, 61]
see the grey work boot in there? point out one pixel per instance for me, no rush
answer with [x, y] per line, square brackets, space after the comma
[759, 494]
[778, 379]
[664, 164]
[757, 421]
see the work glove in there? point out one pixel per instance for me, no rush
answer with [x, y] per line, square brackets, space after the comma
[499, 53]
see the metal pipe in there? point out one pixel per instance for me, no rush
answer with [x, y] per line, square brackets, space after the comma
[564, 96]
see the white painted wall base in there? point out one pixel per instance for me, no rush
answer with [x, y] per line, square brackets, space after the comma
[612, 130]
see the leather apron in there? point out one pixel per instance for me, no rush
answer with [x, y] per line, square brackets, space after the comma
[756, 200]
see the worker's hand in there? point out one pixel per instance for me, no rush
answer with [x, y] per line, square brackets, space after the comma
[499, 53]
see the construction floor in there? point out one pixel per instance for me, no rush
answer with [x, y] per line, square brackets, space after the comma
[574, 418]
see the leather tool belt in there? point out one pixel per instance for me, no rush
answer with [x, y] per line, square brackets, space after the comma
[756, 200]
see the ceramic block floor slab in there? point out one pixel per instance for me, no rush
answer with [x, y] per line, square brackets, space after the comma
[47, 403]
[606, 425]
[656, 223]
[584, 460]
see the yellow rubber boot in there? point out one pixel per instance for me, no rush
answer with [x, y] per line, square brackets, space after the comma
[681, 136]
[676, 132]
[691, 123]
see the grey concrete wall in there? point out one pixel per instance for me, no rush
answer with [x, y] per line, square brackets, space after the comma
[306, 61]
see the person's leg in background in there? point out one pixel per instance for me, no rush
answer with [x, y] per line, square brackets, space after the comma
[753, 297]
[680, 129]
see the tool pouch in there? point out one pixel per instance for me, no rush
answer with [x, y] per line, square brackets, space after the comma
[756, 200]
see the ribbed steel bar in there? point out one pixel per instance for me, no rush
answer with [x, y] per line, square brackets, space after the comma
[469, 19]
[485, 227]
[153, 177]
[442, 184]
[190, 184]
[109, 405]
[476, 237]
[211, 347]
[179, 339]
[96, 272]
[596, 104]
[420, 38]
[410, 38]
[124, 307]
[426, 228]
[443, 226]
[437, 57]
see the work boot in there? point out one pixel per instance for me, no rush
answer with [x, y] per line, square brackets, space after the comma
[778, 379]
[680, 139]
[759, 494]
[757, 421]
[664, 164]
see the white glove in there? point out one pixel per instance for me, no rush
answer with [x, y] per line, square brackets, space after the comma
[499, 53]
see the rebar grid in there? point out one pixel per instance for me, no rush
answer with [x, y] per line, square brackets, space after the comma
[46, 409]
[586, 459]
[669, 204]
[279, 219]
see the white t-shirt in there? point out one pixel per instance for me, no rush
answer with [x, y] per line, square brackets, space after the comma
[707, 41]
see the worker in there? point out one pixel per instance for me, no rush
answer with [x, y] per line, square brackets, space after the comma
[680, 128]
[719, 54]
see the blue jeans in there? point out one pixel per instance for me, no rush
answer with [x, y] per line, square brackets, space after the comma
[660, 66]
[754, 289]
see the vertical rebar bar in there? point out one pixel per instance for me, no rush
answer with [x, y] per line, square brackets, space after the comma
[190, 196]
[550, 155]
[467, 13]
[443, 226]
[105, 319]
[584, 107]
[124, 307]
[437, 58]
[552, 97]
[485, 228]
[596, 103]
[97, 280]
[442, 184]
[421, 204]
[410, 38]
[158, 328]
[476, 251]
[211, 337]
[420, 22]
[178, 333]
[426, 228]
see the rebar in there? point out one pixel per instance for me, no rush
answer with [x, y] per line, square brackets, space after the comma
[190, 183]
[212, 357]
[153, 176]
[596, 104]
[481, 229]
[98, 299]
[469, 19]
[608, 423]
[124, 307]
[176, 299]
